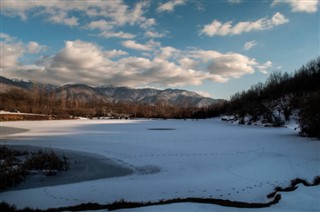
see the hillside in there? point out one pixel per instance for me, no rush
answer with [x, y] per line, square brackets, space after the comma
[282, 98]
[111, 94]
[115, 102]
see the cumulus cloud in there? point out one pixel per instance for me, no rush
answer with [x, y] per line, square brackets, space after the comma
[10, 52]
[226, 66]
[168, 52]
[217, 28]
[12, 49]
[34, 47]
[110, 14]
[187, 63]
[115, 53]
[79, 55]
[131, 44]
[86, 62]
[170, 5]
[248, 45]
[307, 6]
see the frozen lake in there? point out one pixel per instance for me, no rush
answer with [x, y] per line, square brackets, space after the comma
[205, 158]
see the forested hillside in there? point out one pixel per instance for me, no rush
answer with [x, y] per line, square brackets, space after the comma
[281, 98]
[40, 101]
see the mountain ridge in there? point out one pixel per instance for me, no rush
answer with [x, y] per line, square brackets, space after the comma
[114, 94]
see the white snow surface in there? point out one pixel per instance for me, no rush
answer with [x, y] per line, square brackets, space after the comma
[303, 199]
[205, 158]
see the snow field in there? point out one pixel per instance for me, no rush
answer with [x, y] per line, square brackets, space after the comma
[205, 158]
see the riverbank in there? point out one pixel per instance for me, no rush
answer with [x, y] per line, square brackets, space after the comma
[83, 167]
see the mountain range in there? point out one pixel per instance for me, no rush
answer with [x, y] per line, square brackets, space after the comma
[114, 94]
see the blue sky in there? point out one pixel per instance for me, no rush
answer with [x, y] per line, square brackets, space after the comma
[215, 48]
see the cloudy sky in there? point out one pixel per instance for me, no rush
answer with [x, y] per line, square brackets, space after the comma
[215, 47]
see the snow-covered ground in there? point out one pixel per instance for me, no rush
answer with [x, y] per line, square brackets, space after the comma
[205, 158]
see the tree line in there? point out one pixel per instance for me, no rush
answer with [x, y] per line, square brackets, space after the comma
[40, 101]
[282, 97]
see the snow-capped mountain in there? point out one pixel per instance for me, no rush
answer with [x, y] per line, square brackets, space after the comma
[86, 93]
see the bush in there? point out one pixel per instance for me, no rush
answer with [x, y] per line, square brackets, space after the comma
[14, 169]
[7, 207]
[45, 161]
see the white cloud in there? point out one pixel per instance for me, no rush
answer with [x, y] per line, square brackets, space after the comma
[6, 37]
[123, 35]
[226, 66]
[264, 67]
[12, 49]
[86, 62]
[116, 11]
[308, 6]
[148, 23]
[203, 93]
[110, 14]
[34, 47]
[115, 53]
[79, 55]
[187, 63]
[10, 52]
[131, 44]
[234, 1]
[153, 34]
[170, 5]
[168, 52]
[248, 45]
[216, 28]
[61, 17]
[100, 24]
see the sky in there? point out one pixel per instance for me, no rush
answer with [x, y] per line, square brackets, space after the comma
[213, 47]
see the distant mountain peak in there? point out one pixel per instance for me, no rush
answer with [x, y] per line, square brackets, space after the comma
[111, 93]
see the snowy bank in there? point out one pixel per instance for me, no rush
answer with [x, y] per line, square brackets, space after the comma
[201, 159]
